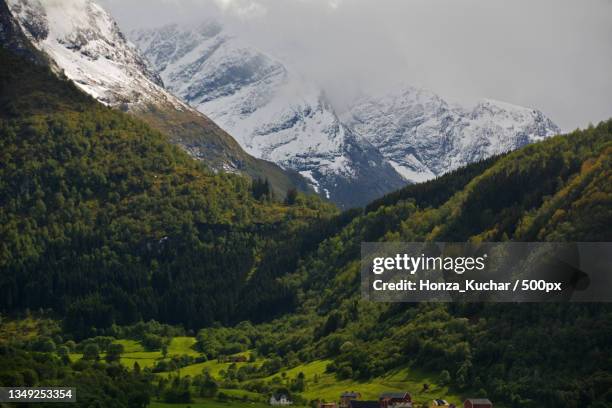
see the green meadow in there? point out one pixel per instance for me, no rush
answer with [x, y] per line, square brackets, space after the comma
[325, 386]
[182, 346]
[209, 403]
[134, 352]
[319, 383]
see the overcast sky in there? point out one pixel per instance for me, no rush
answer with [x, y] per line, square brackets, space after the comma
[553, 55]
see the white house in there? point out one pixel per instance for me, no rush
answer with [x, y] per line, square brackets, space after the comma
[280, 399]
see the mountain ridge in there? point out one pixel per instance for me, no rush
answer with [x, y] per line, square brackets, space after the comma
[283, 127]
[272, 111]
[277, 114]
[424, 136]
[82, 41]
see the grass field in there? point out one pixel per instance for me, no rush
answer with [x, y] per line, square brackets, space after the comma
[328, 388]
[253, 396]
[130, 346]
[135, 352]
[319, 384]
[212, 366]
[202, 403]
[182, 346]
[144, 359]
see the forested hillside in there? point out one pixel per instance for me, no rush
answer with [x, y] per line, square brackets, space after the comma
[523, 355]
[105, 222]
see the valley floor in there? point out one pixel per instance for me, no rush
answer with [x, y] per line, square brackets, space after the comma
[319, 384]
[209, 403]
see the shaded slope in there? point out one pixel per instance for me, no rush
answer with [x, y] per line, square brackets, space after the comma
[104, 221]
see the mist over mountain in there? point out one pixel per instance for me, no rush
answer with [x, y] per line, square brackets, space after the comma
[349, 154]
[527, 53]
[273, 112]
[375, 145]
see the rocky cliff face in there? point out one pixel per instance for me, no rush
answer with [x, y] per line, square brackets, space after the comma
[13, 38]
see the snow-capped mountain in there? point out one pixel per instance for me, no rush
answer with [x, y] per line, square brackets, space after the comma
[278, 115]
[379, 144]
[423, 136]
[273, 112]
[83, 42]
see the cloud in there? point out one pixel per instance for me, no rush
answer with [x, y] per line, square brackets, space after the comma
[242, 8]
[554, 55]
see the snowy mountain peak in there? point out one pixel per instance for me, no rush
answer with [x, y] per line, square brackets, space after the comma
[424, 136]
[515, 117]
[85, 43]
[273, 112]
[406, 135]
[492, 108]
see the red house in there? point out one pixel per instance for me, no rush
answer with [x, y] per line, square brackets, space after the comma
[395, 400]
[477, 403]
